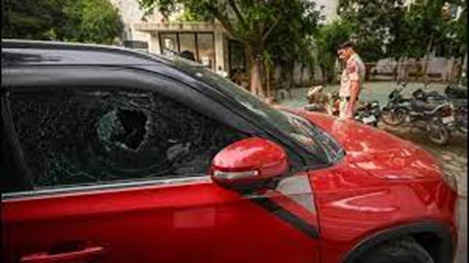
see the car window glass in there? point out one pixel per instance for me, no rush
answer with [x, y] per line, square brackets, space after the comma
[84, 136]
[253, 104]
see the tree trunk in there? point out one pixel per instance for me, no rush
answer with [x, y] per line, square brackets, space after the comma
[427, 59]
[256, 78]
[402, 69]
[285, 76]
[465, 63]
[323, 75]
[267, 74]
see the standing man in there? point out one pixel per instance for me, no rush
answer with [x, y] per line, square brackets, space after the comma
[351, 80]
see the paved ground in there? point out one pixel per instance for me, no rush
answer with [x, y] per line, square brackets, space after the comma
[372, 91]
[453, 156]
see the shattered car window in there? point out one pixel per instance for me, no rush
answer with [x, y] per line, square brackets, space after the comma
[79, 137]
[253, 104]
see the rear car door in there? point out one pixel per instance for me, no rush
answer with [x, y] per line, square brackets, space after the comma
[110, 165]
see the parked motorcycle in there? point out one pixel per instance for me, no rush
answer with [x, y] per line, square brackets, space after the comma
[427, 111]
[368, 113]
[395, 112]
[456, 96]
[460, 114]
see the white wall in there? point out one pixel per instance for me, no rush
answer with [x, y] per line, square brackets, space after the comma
[131, 14]
[330, 9]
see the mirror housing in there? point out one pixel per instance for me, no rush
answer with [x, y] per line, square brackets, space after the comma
[249, 162]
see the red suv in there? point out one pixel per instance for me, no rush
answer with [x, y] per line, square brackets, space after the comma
[109, 155]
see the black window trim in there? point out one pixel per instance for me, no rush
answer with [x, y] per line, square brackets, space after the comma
[22, 179]
[236, 115]
[64, 83]
[169, 70]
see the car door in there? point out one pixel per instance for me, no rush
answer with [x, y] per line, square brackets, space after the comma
[112, 166]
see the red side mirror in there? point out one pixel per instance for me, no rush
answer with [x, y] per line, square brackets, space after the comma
[252, 160]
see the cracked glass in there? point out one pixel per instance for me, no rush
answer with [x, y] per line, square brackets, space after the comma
[84, 136]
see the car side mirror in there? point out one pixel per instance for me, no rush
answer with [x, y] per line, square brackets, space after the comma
[249, 163]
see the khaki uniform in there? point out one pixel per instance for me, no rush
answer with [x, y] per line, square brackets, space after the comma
[354, 70]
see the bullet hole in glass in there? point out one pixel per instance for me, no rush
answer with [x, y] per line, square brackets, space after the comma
[123, 128]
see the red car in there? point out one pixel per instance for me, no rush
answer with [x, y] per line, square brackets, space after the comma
[109, 155]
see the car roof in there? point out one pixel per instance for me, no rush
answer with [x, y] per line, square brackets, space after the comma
[27, 52]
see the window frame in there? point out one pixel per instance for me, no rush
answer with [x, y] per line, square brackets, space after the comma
[21, 180]
[196, 36]
[47, 77]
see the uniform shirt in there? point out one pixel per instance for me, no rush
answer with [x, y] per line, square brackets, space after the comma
[354, 70]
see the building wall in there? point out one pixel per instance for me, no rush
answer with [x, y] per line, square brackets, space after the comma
[330, 9]
[131, 14]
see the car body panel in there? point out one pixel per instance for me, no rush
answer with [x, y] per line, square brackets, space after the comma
[383, 182]
[313, 214]
[196, 221]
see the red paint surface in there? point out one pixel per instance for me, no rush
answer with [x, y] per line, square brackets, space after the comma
[382, 182]
[199, 222]
[258, 154]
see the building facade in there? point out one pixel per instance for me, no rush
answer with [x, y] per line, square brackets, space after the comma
[210, 43]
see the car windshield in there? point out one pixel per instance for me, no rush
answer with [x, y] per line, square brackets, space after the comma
[287, 123]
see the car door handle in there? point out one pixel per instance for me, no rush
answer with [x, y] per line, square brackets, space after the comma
[86, 254]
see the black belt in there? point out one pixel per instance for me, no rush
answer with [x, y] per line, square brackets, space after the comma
[347, 98]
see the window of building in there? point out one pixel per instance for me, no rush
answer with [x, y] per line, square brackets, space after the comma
[169, 43]
[200, 44]
[237, 57]
[187, 43]
[206, 49]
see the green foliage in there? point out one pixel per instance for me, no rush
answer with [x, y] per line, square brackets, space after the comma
[454, 33]
[292, 39]
[426, 28]
[94, 21]
[280, 27]
[376, 25]
[31, 19]
[386, 28]
[328, 38]
[188, 16]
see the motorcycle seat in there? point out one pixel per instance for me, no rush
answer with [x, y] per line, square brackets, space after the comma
[459, 102]
[456, 92]
[419, 105]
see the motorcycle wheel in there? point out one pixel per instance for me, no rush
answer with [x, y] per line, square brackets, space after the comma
[438, 133]
[393, 118]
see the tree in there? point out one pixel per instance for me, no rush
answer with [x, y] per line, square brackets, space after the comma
[454, 32]
[254, 23]
[375, 23]
[94, 21]
[31, 19]
[427, 28]
[327, 39]
[292, 41]
[387, 29]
